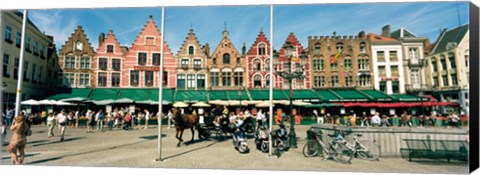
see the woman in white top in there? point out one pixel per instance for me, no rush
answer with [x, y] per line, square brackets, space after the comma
[51, 122]
[260, 118]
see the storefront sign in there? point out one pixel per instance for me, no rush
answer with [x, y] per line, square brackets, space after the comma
[146, 68]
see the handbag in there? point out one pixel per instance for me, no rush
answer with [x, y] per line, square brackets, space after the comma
[28, 132]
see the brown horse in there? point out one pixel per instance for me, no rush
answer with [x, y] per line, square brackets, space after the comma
[184, 122]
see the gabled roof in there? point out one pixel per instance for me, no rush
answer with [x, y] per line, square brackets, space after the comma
[82, 37]
[260, 38]
[110, 39]
[452, 36]
[294, 42]
[191, 36]
[377, 38]
[401, 33]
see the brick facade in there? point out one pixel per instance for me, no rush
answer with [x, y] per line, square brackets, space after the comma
[353, 66]
[191, 64]
[258, 62]
[108, 51]
[78, 47]
[283, 61]
[148, 43]
[227, 62]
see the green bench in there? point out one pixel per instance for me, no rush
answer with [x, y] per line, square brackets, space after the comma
[435, 149]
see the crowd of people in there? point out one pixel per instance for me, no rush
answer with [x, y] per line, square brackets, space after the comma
[452, 120]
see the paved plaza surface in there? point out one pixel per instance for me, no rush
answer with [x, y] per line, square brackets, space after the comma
[138, 148]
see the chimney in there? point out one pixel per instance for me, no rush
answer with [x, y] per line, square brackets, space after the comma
[207, 50]
[386, 31]
[244, 49]
[101, 38]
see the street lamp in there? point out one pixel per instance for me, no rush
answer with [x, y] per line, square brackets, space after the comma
[290, 76]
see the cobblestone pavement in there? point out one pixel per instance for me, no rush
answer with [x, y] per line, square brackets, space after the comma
[138, 148]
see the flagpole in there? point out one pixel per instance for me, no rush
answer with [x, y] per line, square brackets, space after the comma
[270, 117]
[20, 69]
[160, 88]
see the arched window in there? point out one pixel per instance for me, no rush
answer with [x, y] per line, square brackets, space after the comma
[257, 81]
[339, 47]
[261, 49]
[238, 60]
[267, 81]
[362, 47]
[267, 65]
[190, 50]
[317, 48]
[257, 65]
[226, 58]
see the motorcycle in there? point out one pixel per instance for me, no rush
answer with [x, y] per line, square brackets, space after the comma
[240, 141]
[280, 139]
[261, 139]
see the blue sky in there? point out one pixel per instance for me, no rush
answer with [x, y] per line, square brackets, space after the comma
[244, 22]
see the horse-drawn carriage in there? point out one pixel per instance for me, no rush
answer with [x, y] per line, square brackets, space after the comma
[225, 128]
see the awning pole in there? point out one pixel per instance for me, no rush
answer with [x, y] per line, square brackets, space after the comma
[160, 88]
[20, 69]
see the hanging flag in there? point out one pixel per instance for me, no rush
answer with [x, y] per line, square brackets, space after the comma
[334, 58]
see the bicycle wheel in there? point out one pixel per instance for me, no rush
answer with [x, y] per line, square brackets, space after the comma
[311, 148]
[341, 153]
[368, 150]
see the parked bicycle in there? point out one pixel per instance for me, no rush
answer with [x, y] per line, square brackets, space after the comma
[363, 149]
[335, 149]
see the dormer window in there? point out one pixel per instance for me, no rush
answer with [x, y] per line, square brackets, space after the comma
[191, 50]
[109, 48]
[261, 49]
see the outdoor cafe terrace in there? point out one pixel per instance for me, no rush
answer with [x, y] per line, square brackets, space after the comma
[305, 97]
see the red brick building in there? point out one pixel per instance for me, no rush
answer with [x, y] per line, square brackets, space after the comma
[282, 65]
[107, 63]
[142, 61]
[258, 62]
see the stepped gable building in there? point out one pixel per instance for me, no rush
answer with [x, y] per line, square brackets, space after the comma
[282, 65]
[447, 69]
[387, 64]
[107, 63]
[141, 63]
[414, 49]
[226, 65]
[341, 61]
[75, 59]
[258, 62]
[191, 63]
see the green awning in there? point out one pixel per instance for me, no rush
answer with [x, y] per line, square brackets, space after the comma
[327, 95]
[265, 95]
[233, 95]
[322, 105]
[190, 96]
[407, 97]
[303, 94]
[218, 95]
[133, 94]
[104, 94]
[152, 94]
[376, 95]
[71, 93]
[350, 95]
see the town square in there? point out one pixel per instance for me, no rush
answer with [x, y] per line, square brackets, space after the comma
[256, 87]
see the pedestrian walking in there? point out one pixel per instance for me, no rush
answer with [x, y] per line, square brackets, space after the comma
[62, 121]
[77, 117]
[260, 119]
[147, 118]
[51, 122]
[99, 118]
[70, 118]
[18, 140]
[455, 120]
[8, 117]
[90, 121]
[109, 120]
[170, 119]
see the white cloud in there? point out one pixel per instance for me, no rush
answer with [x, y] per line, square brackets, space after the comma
[55, 24]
